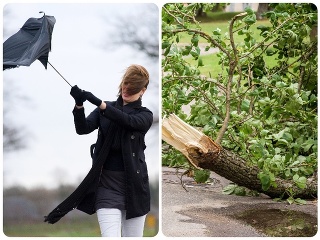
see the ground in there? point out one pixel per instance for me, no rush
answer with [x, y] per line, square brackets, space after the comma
[202, 210]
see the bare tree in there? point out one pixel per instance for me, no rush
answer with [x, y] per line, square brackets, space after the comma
[137, 32]
[14, 137]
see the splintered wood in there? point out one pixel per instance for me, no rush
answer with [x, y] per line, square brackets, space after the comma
[196, 146]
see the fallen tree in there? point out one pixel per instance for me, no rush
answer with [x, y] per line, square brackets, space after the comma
[254, 98]
[202, 152]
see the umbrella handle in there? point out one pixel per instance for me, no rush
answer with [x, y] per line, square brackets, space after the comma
[59, 74]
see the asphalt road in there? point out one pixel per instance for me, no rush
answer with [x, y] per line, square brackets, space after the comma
[204, 211]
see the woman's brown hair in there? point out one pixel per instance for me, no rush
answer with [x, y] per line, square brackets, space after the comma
[136, 77]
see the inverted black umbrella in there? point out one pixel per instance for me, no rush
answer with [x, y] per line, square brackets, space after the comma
[31, 42]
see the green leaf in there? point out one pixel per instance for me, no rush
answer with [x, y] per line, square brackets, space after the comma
[308, 144]
[200, 63]
[165, 44]
[246, 129]
[280, 84]
[217, 32]
[264, 133]
[263, 28]
[177, 39]
[300, 181]
[270, 52]
[300, 201]
[245, 104]
[267, 111]
[249, 10]
[240, 191]
[194, 54]
[290, 200]
[250, 19]
[287, 136]
[167, 51]
[195, 40]
[201, 176]
[287, 173]
[265, 181]
[229, 189]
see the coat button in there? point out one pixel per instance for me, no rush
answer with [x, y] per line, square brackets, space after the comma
[132, 137]
[138, 171]
[133, 154]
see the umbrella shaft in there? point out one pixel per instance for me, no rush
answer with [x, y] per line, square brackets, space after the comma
[59, 74]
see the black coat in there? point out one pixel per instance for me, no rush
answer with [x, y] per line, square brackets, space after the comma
[135, 121]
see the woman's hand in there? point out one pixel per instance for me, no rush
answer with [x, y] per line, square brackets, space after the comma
[103, 105]
[93, 99]
[78, 95]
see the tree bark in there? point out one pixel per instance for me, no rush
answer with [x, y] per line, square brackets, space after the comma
[204, 153]
[262, 8]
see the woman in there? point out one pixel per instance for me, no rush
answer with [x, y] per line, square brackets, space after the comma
[122, 195]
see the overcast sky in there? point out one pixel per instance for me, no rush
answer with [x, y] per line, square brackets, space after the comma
[40, 104]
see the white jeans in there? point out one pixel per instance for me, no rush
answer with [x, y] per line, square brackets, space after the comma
[113, 222]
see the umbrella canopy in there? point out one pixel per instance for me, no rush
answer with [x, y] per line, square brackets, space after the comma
[31, 42]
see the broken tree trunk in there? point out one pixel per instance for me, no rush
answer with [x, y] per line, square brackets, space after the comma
[204, 153]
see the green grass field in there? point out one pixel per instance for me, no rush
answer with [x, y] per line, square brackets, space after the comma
[210, 61]
[86, 227]
[212, 68]
[78, 227]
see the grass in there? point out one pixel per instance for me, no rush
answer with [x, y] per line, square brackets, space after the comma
[212, 68]
[86, 227]
[220, 20]
[78, 227]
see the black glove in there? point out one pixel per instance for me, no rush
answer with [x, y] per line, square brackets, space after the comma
[78, 95]
[54, 217]
[93, 99]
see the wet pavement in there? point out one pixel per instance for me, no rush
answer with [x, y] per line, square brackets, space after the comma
[202, 210]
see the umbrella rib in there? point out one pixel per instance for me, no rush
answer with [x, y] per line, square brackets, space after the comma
[59, 74]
